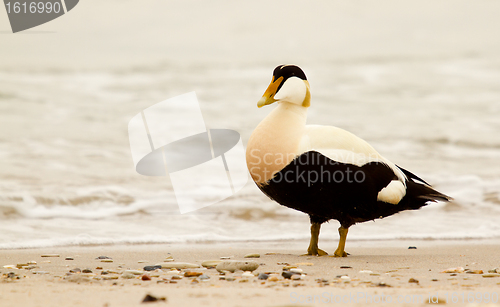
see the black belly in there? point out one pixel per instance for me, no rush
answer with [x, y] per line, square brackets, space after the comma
[326, 189]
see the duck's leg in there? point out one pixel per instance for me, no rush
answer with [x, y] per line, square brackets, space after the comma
[313, 245]
[340, 252]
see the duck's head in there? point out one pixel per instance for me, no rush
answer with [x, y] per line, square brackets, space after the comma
[289, 84]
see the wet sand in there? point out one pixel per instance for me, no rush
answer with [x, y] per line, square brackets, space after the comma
[377, 272]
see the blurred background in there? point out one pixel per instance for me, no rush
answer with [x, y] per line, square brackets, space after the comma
[419, 80]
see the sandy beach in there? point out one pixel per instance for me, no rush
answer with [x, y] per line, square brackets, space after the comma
[376, 272]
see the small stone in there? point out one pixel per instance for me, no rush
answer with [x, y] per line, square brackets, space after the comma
[288, 274]
[9, 266]
[209, 264]
[366, 272]
[152, 267]
[304, 264]
[49, 255]
[179, 265]
[127, 275]
[434, 279]
[146, 277]
[263, 276]
[296, 277]
[345, 278]
[99, 268]
[204, 277]
[288, 267]
[412, 247]
[244, 280]
[106, 260]
[252, 256]
[69, 258]
[173, 272]
[11, 275]
[149, 298]
[346, 267]
[295, 270]
[75, 270]
[490, 275]
[176, 277]
[21, 265]
[230, 279]
[40, 272]
[247, 274]
[273, 278]
[104, 273]
[454, 270]
[135, 272]
[225, 258]
[103, 257]
[87, 271]
[235, 265]
[413, 280]
[31, 262]
[383, 284]
[192, 274]
[141, 261]
[474, 272]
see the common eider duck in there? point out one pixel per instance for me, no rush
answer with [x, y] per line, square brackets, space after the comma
[325, 171]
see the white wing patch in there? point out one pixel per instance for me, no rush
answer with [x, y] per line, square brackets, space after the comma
[392, 193]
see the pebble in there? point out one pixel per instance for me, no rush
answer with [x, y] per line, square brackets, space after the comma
[304, 264]
[230, 278]
[69, 258]
[204, 277]
[176, 277]
[40, 272]
[263, 276]
[149, 298]
[252, 256]
[413, 280]
[345, 278]
[106, 260]
[173, 272]
[366, 271]
[288, 274]
[491, 275]
[87, 271]
[146, 277]
[210, 263]
[474, 272]
[412, 247]
[31, 262]
[454, 270]
[135, 272]
[104, 273]
[9, 266]
[75, 270]
[21, 265]
[179, 265]
[102, 257]
[127, 275]
[288, 267]
[152, 267]
[273, 278]
[296, 277]
[346, 267]
[295, 270]
[49, 255]
[142, 261]
[192, 274]
[247, 274]
[434, 279]
[235, 265]
[99, 268]
[225, 258]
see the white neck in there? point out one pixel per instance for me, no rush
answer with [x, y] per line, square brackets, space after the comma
[275, 142]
